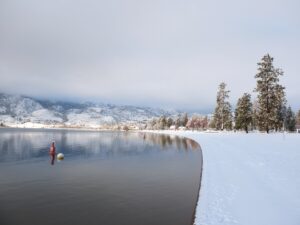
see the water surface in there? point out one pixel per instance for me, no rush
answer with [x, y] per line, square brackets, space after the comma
[109, 178]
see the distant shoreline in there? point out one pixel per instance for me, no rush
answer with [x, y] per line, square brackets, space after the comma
[61, 128]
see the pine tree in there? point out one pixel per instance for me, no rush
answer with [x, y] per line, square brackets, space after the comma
[222, 114]
[243, 113]
[271, 96]
[152, 124]
[177, 122]
[298, 118]
[290, 120]
[254, 115]
[162, 123]
[280, 108]
[170, 122]
[184, 119]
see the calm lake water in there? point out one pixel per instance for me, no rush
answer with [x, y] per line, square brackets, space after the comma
[107, 178]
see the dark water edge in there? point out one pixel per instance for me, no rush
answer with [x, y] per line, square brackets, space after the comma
[132, 150]
[198, 196]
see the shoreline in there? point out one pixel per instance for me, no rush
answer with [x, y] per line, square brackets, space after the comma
[65, 128]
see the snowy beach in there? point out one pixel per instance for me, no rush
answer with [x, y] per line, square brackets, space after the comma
[248, 178]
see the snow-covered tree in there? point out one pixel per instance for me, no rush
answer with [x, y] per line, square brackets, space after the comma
[290, 120]
[254, 113]
[280, 108]
[243, 113]
[152, 124]
[204, 123]
[271, 96]
[181, 120]
[177, 122]
[184, 119]
[191, 123]
[170, 122]
[197, 122]
[222, 115]
[162, 123]
[298, 118]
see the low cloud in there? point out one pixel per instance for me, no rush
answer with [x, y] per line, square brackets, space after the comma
[170, 54]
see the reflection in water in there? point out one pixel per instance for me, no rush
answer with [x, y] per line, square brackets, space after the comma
[168, 140]
[52, 159]
[26, 144]
[52, 152]
[109, 178]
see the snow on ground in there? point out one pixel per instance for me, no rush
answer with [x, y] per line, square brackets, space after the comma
[29, 125]
[45, 115]
[90, 119]
[7, 119]
[248, 179]
[2, 109]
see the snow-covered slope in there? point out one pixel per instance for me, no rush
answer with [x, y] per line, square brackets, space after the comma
[29, 112]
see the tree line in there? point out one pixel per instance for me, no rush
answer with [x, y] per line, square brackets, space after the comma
[269, 111]
[181, 121]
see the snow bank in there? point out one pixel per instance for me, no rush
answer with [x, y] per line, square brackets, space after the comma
[248, 179]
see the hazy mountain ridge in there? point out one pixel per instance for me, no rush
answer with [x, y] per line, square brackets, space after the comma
[29, 112]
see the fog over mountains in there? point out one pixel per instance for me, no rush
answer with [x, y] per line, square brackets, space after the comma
[23, 111]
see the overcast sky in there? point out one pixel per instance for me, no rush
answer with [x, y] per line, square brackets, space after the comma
[169, 54]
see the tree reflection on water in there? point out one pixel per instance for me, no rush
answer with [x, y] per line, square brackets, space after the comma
[20, 144]
[169, 140]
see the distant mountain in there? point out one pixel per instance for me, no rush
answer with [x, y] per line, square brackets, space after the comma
[23, 111]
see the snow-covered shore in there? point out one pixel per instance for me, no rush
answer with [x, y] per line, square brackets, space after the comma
[248, 179]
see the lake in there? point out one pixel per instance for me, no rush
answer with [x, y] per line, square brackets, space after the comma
[108, 178]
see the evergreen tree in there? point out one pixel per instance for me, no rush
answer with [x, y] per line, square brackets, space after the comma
[152, 124]
[271, 96]
[243, 113]
[211, 123]
[280, 109]
[170, 122]
[177, 122]
[281, 115]
[162, 123]
[254, 115]
[222, 114]
[290, 120]
[184, 119]
[298, 118]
